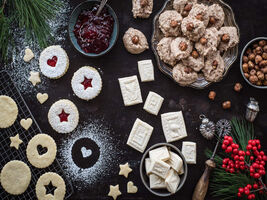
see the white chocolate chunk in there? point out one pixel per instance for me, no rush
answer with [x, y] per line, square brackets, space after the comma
[146, 70]
[130, 90]
[147, 164]
[28, 55]
[172, 181]
[140, 135]
[173, 126]
[159, 168]
[153, 103]
[175, 161]
[160, 153]
[189, 151]
[155, 182]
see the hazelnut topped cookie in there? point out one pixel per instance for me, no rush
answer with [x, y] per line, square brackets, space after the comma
[183, 6]
[170, 23]
[216, 16]
[142, 8]
[200, 12]
[184, 75]
[195, 61]
[229, 37]
[164, 51]
[181, 48]
[192, 28]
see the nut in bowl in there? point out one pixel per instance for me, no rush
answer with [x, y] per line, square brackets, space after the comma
[172, 176]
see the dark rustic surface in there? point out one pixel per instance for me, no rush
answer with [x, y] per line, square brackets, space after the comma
[250, 16]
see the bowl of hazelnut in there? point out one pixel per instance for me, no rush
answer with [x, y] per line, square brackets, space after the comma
[253, 63]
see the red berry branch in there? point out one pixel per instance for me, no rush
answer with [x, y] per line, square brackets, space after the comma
[252, 162]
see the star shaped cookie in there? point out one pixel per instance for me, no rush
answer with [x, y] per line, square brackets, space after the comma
[125, 170]
[34, 78]
[114, 191]
[15, 141]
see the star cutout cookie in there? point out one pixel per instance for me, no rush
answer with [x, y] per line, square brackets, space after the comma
[114, 191]
[15, 141]
[34, 78]
[125, 170]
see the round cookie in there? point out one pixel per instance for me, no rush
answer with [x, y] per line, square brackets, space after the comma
[192, 28]
[195, 61]
[164, 51]
[135, 41]
[43, 160]
[86, 83]
[216, 16]
[184, 75]
[15, 177]
[200, 12]
[63, 116]
[142, 9]
[183, 6]
[229, 38]
[181, 48]
[54, 62]
[8, 111]
[170, 23]
[56, 180]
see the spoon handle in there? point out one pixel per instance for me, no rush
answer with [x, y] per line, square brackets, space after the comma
[102, 4]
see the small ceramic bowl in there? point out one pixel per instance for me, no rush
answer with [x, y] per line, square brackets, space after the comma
[241, 61]
[73, 18]
[145, 178]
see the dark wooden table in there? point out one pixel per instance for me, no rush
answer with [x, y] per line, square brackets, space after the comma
[250, 16]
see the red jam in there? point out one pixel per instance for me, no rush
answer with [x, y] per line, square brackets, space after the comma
[87, 83]
[93, 32]
[52, 62]
[63, 116]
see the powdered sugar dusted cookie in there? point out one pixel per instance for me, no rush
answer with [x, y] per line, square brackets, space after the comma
[181, 48]
[86, 83]
[192, 28]
[189, 151]
[63, 116]
[229, 37]
[164, 51]
[183, 6]
[184, 75]
[54, 62]
[170, 23]
[195, 61]
[153, 103]
[214, 68]
[146, 70]
[142, 8]
[200, 12]
[216, 16]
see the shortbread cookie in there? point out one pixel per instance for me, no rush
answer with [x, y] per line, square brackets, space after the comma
[45, 159]
[28, 55]
[200, 12]
[15, 141]
[56, 180]
[34, 78]
[175, 161]
[15, 177]
[183, 6]
[172, 181]
[229, 38]
[135, 41]
[54, 62]
[146, 70]
[164, 51]
[114, 191]
[181, 48]
[156, 182]
[216, 16]
[153, 103]
[194, 61]
[159, 168]
[147, 164]
[192, 28]
[160, 153]
[26, 123]
[184, 75]
[63, 116]
[86, 83]
[130, 90]
[42, 97]
[214, 68]
[125, 170]
[8, 111]
[189, 151]
[170, 23]
[131, 188]
[142, 8]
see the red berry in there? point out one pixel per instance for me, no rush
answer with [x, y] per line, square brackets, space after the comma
[230, 139]
[226, 142]
[255, 186]
[236, 157]
[235, 151]
[229, 149]
[236, 166]
[262, 163]
[241, 190]
[256, 175]
[249, 186]
[252, 196]
[249, 142]
[262, 172]
[257, 141]
[242, 167]
[255, 165]
[223, 166]
[242, 163]
[247, 153]
[241, 158]
[264, 158]
[251, 170]
[259, 146]
[256, 153]
[224, 146]
[253, 143]
[249, 147]
[252, 174]
[254, 148]
[239, 194]
[232, 170]
[262, 153]
[259, 158]
[247, 192]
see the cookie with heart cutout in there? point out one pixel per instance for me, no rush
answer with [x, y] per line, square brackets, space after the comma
[54, 62]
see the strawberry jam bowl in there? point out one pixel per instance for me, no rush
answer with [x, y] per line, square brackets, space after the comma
[92, 35]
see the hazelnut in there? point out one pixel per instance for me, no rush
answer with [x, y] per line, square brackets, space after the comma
[215, 64]
[264, 56]
[195, 54]
[199, 17]
[135, 39]
[185, 13]
[226, 104]
[190, 26]
[212, 20]
[187, 70]
[263, 63]
[265, 48]
[238, 87]
[250, 65]
[258, 59]
[258, 50]
[225, 38]
[203, 41]
[143, 3]
[260, 75]
[264, 70]
[182, 46]
[188, 7]
[253, 79]
[245, 67]
[251, 56]
[212, 95]
[262, 43]
[245, 59]
[256, 67]
[255, 46]
[174, 23]
[248, 51]
[246, 75]
[252, 72]
[258, 83]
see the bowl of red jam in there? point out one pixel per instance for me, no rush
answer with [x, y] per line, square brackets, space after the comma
[93, 35]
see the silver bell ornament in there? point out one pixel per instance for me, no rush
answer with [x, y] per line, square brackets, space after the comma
[207, 127]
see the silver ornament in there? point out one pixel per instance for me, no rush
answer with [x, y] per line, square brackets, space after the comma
[207, 127]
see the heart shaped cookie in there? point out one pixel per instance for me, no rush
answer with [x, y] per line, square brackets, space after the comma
[28, 55]
[86, 152]
[42, 97]
[131, 188]
[26, 123]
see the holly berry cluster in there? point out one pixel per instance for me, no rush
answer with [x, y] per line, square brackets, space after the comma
[247, 190]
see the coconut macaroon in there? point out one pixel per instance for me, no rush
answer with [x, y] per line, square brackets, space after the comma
[135, 41]
[216, 16]
[229, 37]
[164, 51]
[170, 23]
[184, 75]
[195, 61]
[181, 48]
[183, 6]
[142, 8]
[214, 68]
[208, 43]
[192, 28]
[200, 12]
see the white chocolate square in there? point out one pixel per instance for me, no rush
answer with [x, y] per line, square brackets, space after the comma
[146, 70]
[189, 151]
[175, 161]
[173, 126]
[130, 90]
[172, 181]
[153, 103]
[160, 168]
[160, 153]
[147, 164]
[155, 182]
[140, 135]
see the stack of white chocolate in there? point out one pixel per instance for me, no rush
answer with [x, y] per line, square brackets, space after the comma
[163, 168]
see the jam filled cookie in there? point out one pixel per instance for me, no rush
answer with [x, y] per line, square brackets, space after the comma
[170, 23]
[86, 83]
[195, 61]
[181, 48]
[54, 62]
[216, 16]
[142, 8]
[200, 12]
[184, 75]
[63, 116]
[164, 51]
[8, 111]
[229, 37]
[192, 28]
[183, 6]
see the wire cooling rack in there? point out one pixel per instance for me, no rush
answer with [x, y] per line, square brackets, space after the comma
[7, 153]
